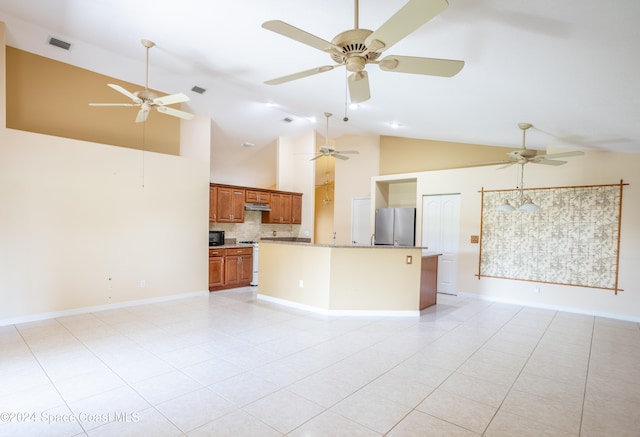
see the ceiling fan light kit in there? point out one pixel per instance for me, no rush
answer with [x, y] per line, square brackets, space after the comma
[355, 48]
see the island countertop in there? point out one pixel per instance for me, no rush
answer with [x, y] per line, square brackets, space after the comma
[346, 246]
[388, 280]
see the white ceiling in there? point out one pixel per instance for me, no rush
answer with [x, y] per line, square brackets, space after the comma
[570, 67]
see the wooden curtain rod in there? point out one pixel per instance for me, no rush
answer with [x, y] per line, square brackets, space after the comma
[555, 188]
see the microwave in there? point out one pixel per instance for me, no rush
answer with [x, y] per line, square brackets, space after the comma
[216, 238]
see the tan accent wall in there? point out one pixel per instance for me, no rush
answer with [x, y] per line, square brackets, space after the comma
[407, 155]
[50, 97]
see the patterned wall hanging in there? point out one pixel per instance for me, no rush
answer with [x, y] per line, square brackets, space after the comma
[573, 240]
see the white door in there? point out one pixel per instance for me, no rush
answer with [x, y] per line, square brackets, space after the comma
[361, 221]
[440, 233]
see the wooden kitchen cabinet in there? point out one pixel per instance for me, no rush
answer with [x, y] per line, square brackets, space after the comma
[280, 209]
[238, 267]
[230, 205]
[256, 196]
[216, 268]
[226, 204]
[213, 203]
[296, 209]
[230, 268]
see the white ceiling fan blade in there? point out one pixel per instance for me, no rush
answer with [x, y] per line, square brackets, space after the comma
[317, 156]
[347, 152]
[562, 155]
[339, 156]
[299, 75]
[410, 17]
[479, 164]
[415, 65]
[300, 35]
[175, 112]
[171, 99]
[121, 90]
[112, 104]
[142, 115]
[547, 161]
[507, 165]
[359, 87]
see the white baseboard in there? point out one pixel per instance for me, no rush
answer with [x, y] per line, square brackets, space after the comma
[92, 309]
[327, 312]
[552, 307]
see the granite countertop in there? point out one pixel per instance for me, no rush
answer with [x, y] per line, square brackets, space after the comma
[340, 246]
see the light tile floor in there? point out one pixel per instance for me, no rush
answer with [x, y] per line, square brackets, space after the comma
[229, 365]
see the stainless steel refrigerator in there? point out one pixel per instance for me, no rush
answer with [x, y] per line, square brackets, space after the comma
[395, 226]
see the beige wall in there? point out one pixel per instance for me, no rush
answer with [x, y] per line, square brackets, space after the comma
[323, 231]
[296, 172]
[352, 180]
[83, 223]
[341, 278]
[283, 266]
[593, 168]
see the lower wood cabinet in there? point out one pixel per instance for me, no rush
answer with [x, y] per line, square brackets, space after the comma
[428, 281]
[230, 268]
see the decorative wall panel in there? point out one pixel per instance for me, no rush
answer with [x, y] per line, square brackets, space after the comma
[572, 240]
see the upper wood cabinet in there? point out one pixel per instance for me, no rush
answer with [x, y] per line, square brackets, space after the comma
[296, 209]
[255, 196]
[280, 209]
[230, 205]
[226, 204]
[213, 203]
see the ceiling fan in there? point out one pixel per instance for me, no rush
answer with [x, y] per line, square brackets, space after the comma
[146, 99]
[357, 47]
[526, 156]
[329, 150]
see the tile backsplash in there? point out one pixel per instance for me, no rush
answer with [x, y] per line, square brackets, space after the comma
[253, 229]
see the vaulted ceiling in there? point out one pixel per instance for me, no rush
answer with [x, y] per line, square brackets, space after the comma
[569, 67]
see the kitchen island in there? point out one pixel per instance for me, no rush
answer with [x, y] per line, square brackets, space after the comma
[385, 280]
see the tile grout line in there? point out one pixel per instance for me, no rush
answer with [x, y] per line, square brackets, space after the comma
[520, 372]
[586, 381]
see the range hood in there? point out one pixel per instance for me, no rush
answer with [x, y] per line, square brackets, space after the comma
[256, 207]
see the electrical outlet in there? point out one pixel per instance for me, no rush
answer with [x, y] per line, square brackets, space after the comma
[301, 283]
[536, 289]
[143, 283]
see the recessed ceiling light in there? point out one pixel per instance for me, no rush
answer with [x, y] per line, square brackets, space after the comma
[247, 144]
[394, 125]
[354, 106]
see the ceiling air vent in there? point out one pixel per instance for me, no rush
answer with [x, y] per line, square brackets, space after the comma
[287, 119]
[59, 43]
[197, 89]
